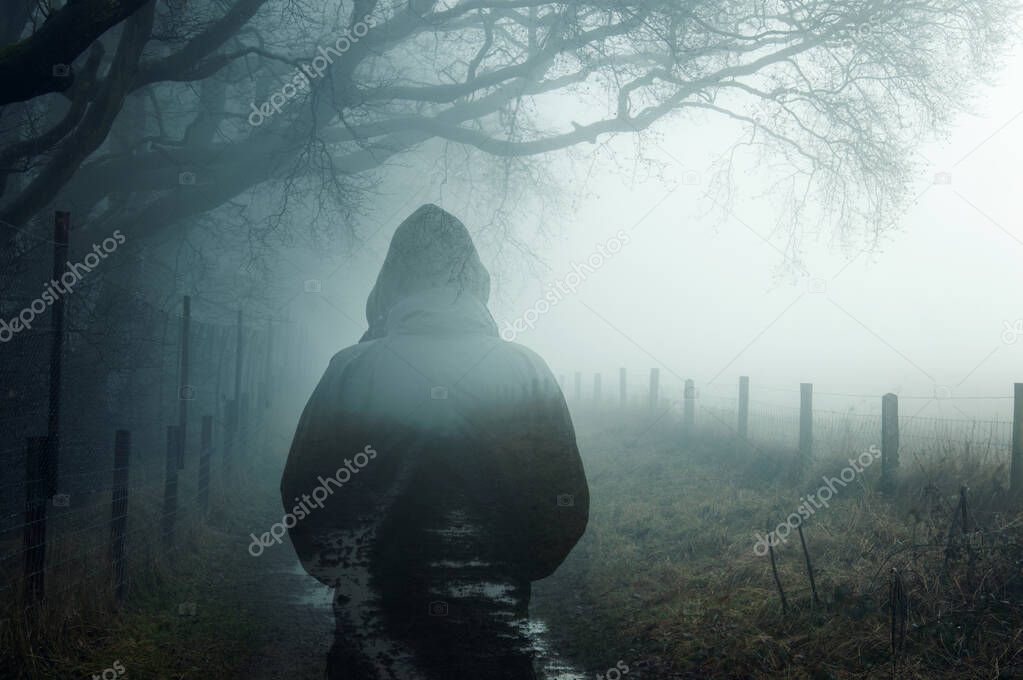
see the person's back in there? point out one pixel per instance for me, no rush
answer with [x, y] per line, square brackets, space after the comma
[463, 481]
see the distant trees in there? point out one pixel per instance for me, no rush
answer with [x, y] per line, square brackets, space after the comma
[143, 115]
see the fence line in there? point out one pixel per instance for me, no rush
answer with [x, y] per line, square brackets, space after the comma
[84, 488]
[807, 430]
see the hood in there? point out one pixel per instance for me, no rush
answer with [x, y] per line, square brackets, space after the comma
[439, 311]
[430, 249]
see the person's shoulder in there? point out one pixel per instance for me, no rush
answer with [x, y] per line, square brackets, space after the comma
[514, 349]
[349, 354]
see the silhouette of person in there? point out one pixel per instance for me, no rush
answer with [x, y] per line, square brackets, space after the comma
[434, 474]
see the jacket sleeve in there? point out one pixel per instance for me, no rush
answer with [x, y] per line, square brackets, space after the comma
[538, 463]
[325, 434]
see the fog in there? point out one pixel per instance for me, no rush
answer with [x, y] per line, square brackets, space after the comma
[710, 290]
[511, 339]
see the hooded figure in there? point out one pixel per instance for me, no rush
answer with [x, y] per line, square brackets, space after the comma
[434, 474]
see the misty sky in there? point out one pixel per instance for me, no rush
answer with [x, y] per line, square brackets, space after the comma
[712, 295]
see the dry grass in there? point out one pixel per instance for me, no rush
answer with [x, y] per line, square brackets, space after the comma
[79, 630]
[667, 578]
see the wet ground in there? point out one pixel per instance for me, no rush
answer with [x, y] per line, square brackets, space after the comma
[300, 624]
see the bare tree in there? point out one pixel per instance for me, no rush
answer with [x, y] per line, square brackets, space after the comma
[236, 95]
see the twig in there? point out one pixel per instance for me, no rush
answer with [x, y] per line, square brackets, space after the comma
[964, 508]
[777, 581]
[899, 609]
[809, 566]
[959, 512]
[970, 554]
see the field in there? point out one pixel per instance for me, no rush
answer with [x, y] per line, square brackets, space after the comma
[667, 577]
[912, 583]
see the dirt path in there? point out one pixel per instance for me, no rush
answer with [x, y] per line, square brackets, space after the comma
[294, 618]
[292, 613]
[289, 612]
[298, 621]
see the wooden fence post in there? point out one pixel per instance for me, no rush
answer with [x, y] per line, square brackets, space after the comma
[185, 391]
[239, 357]
[889, 438]
[119, 512]
[61, 239]
[218, 397]
[1016, 474]
[743, 406]
[596, 388]
[655, 388]
[623, 395]
[205, 450]
[268, 370]
[689, 402]
[805, 424]
[233, 420]
[230, 427]
[36, 497]
[170, 489]
[245, 435]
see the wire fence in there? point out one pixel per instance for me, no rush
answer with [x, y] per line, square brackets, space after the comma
[97, 386]
[768, 424]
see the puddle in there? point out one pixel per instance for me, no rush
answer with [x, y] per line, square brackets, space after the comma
[314, 595]
[552, 666]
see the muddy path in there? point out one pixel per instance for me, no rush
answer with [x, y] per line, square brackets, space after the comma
[293, 613]
[297, 623]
